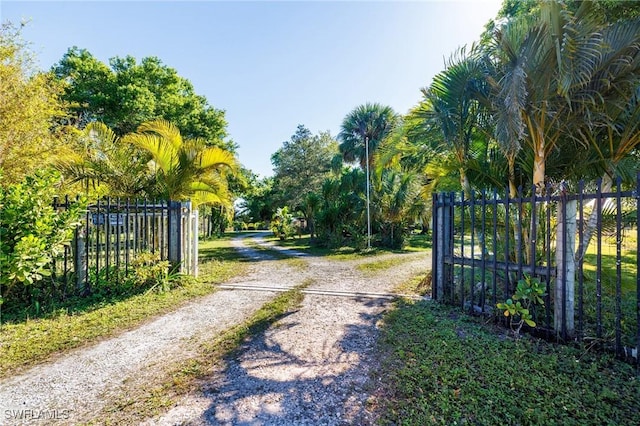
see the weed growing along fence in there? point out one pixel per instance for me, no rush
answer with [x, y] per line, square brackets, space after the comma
[583, 247]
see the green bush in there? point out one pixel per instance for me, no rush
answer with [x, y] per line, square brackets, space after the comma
[282, 224]
[150, 271]
[32, 233]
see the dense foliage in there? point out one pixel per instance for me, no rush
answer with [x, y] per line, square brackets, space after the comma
[33, 233]
[125, 94]
[301, 165]
[28, 106]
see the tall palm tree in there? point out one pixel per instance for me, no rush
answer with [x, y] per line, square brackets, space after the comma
[451, 106]
[555, 70]
[366, 124]
[185, 168]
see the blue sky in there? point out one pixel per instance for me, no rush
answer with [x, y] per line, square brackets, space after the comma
[269, 65]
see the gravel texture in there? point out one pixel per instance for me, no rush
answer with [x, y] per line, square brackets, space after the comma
[311, 367]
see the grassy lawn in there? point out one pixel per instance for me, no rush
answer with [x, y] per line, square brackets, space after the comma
[416, 242]
[442, 367]
[24, 342]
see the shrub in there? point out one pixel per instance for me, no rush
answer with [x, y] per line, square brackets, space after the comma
[33, 233]
[282, 224]
[150, 271]
[529, 292]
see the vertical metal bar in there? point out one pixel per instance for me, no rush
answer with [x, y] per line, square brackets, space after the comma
[533, 237]
[162, 239]
[118, 232]
[494, 283]
[136, 230]
[548, 249]
[618, 267]
[599, 260]
[450, 245]
[483, 266]
[107, 234]
[518, 241]
[534, 230]
[76, 251]
[66, 253]
[87, 284]
[462, 201]
[507, 257]
[563, 248]
[98, 218]
[580, 331]
[127, 237]
[146, 225]
[434, 245]
[472, 281]
[153, 228]
[638, 274]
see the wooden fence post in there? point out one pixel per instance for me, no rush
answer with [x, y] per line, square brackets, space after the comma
[565, 269]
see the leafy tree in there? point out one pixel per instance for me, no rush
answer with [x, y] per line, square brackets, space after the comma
[257, 203]
[126, 94]
[366, 124]
[185, 168]
[301, 165]
[28, 105]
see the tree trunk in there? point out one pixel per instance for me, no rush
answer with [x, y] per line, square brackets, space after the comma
[592, 221]
[513, 191]
[539, 167]
[464, 182]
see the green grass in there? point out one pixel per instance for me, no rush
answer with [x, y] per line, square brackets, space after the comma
[442, 367]
[23, 343]
[372, 268]
[416, 242]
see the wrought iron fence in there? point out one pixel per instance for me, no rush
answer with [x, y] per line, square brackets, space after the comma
[582, 246]
[114, 231]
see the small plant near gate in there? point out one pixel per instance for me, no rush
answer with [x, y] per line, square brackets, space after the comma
[149, 270]
[529, 292]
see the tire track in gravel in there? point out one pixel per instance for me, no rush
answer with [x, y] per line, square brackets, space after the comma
[76, 386]
[311, 367]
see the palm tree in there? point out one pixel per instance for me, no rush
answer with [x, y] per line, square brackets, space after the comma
[399, 202]
[185, 169]
[106, 163]
[366, 124]
[557, 70]
[451, 109]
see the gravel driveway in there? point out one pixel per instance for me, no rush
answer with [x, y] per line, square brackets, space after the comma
[310, 368]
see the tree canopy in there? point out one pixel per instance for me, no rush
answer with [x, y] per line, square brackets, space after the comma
[28, 106]
[301, 165]
[126, 93]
